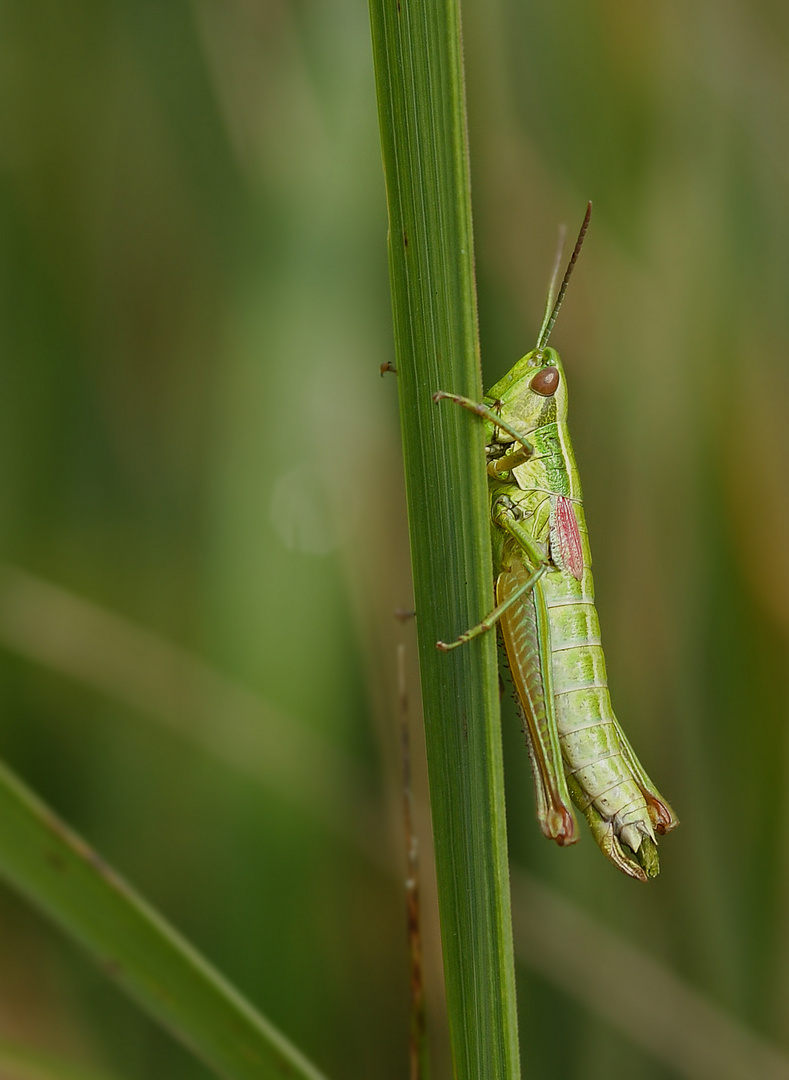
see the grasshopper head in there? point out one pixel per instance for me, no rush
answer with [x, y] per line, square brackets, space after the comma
[533, 393]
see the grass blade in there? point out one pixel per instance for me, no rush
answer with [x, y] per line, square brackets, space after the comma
[61, 875]
[419, 75]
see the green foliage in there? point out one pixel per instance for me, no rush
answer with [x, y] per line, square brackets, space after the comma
[194, 436]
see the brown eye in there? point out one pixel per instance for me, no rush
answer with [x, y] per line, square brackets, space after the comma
[546, 381]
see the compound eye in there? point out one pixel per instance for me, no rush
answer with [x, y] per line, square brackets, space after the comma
[546, 381]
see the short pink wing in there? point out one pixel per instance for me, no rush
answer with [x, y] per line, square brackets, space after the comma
[566, 536]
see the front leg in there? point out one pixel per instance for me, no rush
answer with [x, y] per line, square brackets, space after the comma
[489, 414]
[501, 467]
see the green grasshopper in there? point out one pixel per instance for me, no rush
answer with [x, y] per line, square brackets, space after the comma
[545, 610]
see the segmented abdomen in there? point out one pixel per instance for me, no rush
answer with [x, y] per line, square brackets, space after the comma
[588, 734]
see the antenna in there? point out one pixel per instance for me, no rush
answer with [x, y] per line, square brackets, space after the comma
[557, 262]
[550, 319]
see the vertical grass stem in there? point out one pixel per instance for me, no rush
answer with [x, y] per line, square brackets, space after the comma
[420, 86]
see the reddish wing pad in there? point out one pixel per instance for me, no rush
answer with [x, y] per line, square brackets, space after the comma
[566, 538]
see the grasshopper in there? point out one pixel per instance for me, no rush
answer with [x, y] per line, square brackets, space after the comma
[547, 617]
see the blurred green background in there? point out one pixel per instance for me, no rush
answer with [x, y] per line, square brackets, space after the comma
[202, 526]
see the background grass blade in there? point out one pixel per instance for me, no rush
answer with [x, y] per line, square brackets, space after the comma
[419, 74]
[671, 1020]
[60, 874]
